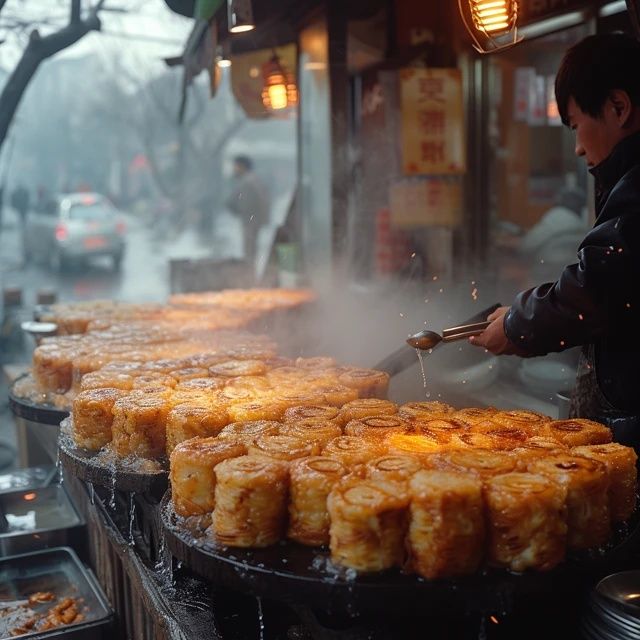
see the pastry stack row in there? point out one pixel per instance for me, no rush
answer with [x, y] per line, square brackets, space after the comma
[421, 487]
[146, 409]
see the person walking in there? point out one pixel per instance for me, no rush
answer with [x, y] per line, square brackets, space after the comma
[250, 202]
[595, 302]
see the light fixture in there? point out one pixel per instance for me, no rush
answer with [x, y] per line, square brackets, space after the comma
[492, 24]
[223, 59]
[240, 16]
[279, 91]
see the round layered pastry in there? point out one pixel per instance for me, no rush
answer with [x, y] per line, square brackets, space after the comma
[106, 380]
[443, 428]
[320, 413]
[93, 417]
[192, 474]
[446, 530]
[321, 432]
[149, 380]
[365, 407]
[577, 432]
[188, 373]
[208, 385]
[422, 446]
[352, 450]
[376, 427]
[336, 394]
[312, 479]
[369, 383]
[247, 432]
[368, 524]
[527, 521]
[620, 463]
[528, 421]
[587, 484]
[484, 464]
[472, 440]
[474, 415]
[235, 368]
[264, 409]
[250, 501]
[186, 421]
[394, 468]
[282, 447]
[421, 411]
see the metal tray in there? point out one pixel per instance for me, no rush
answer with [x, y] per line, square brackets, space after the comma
[33, 519]
[98, 469]
[58, 570]
[296, 574]
[34, 412]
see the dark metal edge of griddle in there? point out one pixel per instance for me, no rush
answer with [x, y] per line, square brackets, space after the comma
[44, 414]
[85, 465]
[285, 572]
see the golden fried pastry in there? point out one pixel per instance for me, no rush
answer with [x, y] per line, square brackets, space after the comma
[53, 367]
[153, 380]
[352, 450]
[473, 415]
[186, 421]
[257, 409]
[527, 521]
[192, 474]
[365, 407]
[321, 432]
[418, 445]
[201, 384]
[250, 501]
[472, 440]
[247, 432]
[139, 425]
[235, 368]
[336, 394]
[294, 397]
[368, 382]
[443, 428]
[316, 363]
[395, 468]
[102, 379]
[483, 463]
[536, 447]
[521, 419]
[311, 481]
[93, 418]
[587, 501]
[188, 373]
[422, 411]
[368, 524]
[577, 432]
[321, 413]
[620, 462]
[504, 437]
[280, 447]
[446, 530]
[377, 427]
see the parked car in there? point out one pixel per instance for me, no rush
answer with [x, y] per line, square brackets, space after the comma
[75, 226]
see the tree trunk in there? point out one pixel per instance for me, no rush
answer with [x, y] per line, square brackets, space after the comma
[37, 50]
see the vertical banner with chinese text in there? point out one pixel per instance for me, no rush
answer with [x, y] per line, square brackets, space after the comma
[433, 141]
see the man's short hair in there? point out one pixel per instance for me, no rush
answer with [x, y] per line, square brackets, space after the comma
[244, 161]
[593, 68]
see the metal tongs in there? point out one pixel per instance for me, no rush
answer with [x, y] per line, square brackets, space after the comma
[426, 339]
[405, 357]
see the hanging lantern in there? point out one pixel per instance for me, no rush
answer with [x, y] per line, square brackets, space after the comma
[240, 16]
[279, 90]
[492, 24]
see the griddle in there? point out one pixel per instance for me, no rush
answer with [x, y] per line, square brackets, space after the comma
[35, 412]
[299, 575]
[97, 469]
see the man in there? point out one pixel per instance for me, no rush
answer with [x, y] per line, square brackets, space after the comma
[595, 302]
[250, 202]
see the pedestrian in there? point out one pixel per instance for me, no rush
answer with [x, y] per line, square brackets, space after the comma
[20, 202]
[594, 303]
[250, 202]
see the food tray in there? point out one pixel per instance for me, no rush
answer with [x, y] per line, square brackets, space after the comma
[109, 471]
[297, 574]
[61, 572]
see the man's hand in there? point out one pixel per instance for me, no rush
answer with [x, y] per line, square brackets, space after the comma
[493, 338]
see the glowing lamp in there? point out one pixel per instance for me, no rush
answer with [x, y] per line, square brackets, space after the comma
[240, 16]
[279, 91]
[492, 24]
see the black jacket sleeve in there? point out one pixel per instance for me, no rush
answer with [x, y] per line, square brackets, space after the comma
[578, 307]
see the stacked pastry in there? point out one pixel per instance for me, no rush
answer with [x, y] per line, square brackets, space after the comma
[146, 409]
[421, 486]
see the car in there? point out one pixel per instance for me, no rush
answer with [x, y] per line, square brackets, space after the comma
[73, 227]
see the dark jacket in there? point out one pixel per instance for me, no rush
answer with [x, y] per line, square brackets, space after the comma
[597, 300]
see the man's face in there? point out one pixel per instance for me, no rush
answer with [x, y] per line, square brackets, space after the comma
[595, 137]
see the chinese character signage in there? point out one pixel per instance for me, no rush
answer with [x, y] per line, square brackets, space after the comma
[433, 140]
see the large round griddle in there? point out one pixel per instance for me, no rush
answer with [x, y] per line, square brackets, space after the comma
[108, 471]
[297, 574]
[35, 412]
